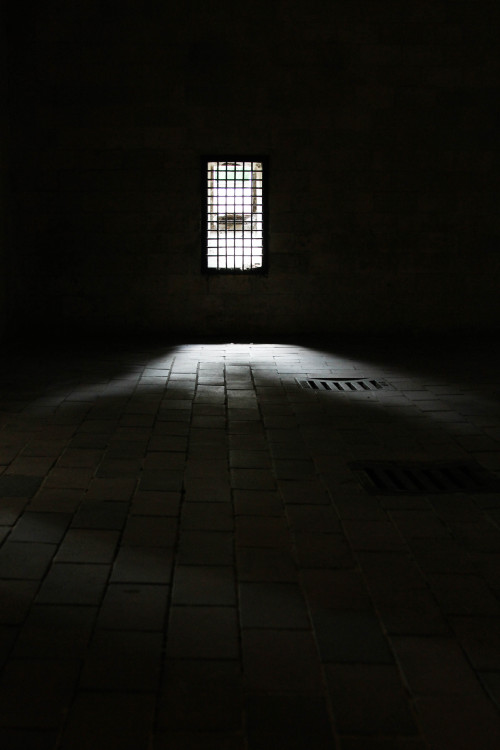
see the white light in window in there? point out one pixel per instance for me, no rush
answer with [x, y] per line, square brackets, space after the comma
[234, 215]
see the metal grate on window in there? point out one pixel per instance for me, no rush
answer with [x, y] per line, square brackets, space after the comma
[233, 214]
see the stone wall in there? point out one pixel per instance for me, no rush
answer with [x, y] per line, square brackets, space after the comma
[381, 123]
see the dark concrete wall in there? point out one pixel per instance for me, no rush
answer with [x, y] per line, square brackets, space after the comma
[5, 202]
[381, 122]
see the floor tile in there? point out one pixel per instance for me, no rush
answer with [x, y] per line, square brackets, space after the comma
[25, 560]
[123, 660]
[198, 585]
[202, 632]
[73, 583]
[281, 660]
[97, 721]
[187, 559]
[203, 695]
[136, 606]
[369, 700]
[272, 605]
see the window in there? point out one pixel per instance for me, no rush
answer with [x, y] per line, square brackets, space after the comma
[234, 214]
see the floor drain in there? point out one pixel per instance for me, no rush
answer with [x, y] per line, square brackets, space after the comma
[391, 477]
[343, 384]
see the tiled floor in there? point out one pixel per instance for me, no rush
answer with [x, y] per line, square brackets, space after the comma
[188, 561]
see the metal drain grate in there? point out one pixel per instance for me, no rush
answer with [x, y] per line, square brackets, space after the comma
[390, 477]
[343, 384]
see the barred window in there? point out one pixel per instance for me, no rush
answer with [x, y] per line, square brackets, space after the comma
[234, 215]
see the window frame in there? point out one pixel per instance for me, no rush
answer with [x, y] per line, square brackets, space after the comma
[264, 160]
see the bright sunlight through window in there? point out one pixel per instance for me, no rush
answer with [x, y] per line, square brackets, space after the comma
[233, 215]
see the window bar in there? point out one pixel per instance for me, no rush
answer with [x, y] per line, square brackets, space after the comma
[254, 208]
[224, 205]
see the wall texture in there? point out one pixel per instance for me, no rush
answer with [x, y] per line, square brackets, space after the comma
[381, 122]
[5, 203]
